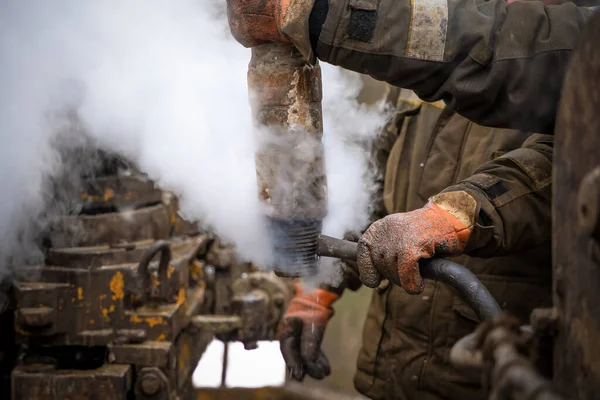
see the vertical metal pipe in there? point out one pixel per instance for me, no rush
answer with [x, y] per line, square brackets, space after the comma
[286, 94]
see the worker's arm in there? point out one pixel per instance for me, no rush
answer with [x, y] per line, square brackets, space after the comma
[514, 195]
[505, 207]
[496, 64]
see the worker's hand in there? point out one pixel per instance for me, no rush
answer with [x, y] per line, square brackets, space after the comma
[256, 22]
[302, 330]
[392, 247]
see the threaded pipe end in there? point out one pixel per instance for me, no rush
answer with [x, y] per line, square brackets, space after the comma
[295, 245]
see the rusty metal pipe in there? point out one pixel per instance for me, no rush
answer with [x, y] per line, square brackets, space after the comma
[285, 96]
[467, 285]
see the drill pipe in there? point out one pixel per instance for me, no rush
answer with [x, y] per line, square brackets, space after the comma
[285, 96]
[460, 278]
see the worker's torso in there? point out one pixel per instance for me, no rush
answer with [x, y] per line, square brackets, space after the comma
[407, 339]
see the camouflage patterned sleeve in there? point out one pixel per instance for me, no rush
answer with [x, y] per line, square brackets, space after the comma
[514, 193]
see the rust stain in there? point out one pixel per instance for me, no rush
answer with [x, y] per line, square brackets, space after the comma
[79, 293]
[181, 296]
[196, 270]
[92, 322]
[72, 299]
[106, 311]
[116, 286]
[109, 194]
[170, 271]
[151, 321]
[184, 358]
[21, 331]
[86, 196]
[161, 338]
[102, 296]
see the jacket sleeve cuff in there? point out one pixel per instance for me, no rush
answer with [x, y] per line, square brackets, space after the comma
[488, 226]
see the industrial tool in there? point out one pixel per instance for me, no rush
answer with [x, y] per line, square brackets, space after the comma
[285, 95]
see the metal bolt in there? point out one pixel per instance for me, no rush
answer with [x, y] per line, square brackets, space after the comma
[150, 384]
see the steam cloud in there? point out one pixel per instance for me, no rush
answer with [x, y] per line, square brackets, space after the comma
[164, 84]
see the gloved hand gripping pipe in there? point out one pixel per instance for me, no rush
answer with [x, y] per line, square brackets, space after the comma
[461, 279]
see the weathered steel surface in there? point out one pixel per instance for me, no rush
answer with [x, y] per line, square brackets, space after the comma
[91, 306]
[43, 383]
[575, 218]
[116, 193]
[111, 228]
[499, 350]
[123, 309]
[285, 95]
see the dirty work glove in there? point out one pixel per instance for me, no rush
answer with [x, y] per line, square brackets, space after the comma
[256, 22]
[392, 247]
[302, 330]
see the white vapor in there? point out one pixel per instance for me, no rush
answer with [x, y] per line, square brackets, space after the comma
[164, 84]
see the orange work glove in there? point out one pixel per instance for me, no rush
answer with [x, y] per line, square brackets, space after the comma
[392, 247]
[302, 330]
[256, 22]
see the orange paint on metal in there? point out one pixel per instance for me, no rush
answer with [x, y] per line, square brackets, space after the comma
[181, 296]
[184, 357]
[116, 286]
[109, 194]
[79, 293]
[170, 271]
[196, 270]
[151, 321]
[161, 338]
[106, 311]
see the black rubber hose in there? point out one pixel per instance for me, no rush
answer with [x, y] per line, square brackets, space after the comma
[467, 285]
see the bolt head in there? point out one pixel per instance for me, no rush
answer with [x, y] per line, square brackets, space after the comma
[150, 384]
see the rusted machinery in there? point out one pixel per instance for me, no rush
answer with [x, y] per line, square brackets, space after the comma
[557, 356]
[129, 297]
